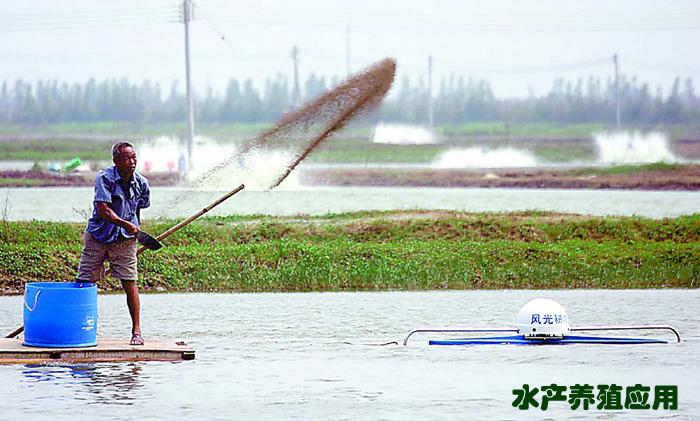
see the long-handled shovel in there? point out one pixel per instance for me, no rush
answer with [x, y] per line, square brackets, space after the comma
[206, 209]
[16, 332]
[148, 241]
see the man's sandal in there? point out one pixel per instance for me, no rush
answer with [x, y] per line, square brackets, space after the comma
[136, 339]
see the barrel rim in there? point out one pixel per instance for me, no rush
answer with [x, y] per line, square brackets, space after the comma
[37, 344]
[61, 285]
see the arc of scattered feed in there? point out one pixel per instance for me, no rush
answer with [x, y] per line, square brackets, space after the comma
[329, 112]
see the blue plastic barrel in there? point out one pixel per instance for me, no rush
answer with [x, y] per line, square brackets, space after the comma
[60, 314]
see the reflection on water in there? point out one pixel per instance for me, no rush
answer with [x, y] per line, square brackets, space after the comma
[110, 384]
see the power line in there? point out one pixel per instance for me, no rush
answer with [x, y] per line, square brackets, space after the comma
[400, 21]
[659, 67]
[465, 23]
[225, 40]
[86, 19]
[547, 68]
[80, 14]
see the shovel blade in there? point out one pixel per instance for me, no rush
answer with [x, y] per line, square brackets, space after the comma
[148, 241]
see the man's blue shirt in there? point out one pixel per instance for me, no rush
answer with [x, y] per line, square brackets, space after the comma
[123, 200]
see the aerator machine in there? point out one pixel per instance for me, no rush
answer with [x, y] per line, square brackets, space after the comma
[543, 321]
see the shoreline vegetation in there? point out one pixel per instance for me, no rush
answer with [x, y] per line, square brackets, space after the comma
[378, 251]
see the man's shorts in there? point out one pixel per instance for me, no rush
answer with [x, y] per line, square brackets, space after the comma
[121, 256]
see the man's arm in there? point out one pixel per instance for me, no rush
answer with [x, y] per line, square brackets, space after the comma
[110, 216]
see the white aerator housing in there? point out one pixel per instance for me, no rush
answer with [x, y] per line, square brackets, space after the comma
[542, 318]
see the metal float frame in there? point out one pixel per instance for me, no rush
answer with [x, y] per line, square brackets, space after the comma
[456, 329]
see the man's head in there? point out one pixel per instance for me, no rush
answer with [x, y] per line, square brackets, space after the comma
[124, 157]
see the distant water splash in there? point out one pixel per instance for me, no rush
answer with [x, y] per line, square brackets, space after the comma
[633, 148]
[484, 158]
[159, 154]
[255, 168]
[402, 135]
[169, 154]
[252, 167]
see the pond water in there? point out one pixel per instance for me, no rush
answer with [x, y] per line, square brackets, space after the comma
[72, 204]
[317, 356]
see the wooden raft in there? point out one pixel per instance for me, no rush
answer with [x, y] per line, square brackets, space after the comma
[107, 350]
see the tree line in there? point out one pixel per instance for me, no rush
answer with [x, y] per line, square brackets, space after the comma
[455, 100]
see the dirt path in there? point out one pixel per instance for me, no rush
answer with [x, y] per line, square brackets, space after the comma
[56, 179]
[682, 178]
[686, 177]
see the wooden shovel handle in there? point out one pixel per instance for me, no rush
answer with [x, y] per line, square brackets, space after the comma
[195, 216]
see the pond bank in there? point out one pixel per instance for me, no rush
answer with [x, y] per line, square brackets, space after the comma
[644, 177]
[363, 251]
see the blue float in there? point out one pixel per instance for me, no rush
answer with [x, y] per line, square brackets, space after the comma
[60, 314]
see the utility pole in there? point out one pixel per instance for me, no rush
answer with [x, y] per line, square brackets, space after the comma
[296, 93]
[347, 52]
[187, 17]
[431, 123]
[617, 92]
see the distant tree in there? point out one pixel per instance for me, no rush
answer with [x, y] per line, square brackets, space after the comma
[276, 99]
[672, 110]
[689, 92]
[458, 99]
[5, 104]
[208, 110]
[25, 110]
[86, 108]
[232, 105]
[175, 105]
[314, 86]
[252, 111]
[152, 102]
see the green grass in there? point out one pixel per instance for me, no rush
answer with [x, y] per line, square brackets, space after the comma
[54, 149]
[362, 150]
[657, 167]
[532, 129]
[19, 182]
[497, 128]
[342, 264]
[381, 251]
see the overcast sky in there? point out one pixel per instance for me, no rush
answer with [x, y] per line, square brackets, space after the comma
[514, 44]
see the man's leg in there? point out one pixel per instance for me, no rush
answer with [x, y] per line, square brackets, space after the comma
[134, 304]
[92, 258]
[122, 260]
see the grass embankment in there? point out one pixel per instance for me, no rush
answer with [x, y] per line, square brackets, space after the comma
[51, 149]
[494, 128]
[381, 251]
[658, 176]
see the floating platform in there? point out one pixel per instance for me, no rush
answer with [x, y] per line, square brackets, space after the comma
[107, 350]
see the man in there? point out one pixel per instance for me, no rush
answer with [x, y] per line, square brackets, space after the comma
[120, 194]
